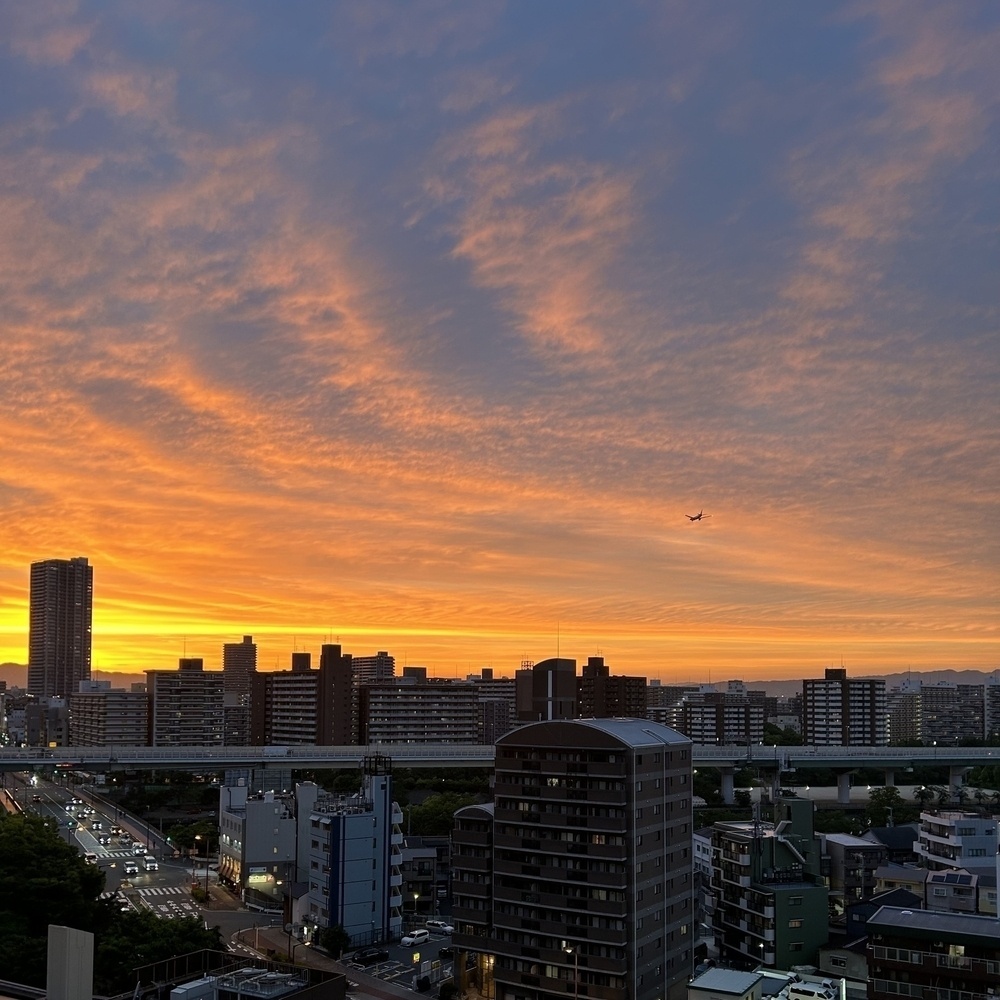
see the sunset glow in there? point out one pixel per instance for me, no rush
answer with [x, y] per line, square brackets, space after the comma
[421, 327]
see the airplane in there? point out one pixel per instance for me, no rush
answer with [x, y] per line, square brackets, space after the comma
[701, 515]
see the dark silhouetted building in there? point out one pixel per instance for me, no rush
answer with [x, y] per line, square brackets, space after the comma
[547, 691]
[578, 880]
[603, 695]
[60, 624]
[303, 706]
[239, 664]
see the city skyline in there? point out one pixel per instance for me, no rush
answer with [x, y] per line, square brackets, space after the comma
[428, 329]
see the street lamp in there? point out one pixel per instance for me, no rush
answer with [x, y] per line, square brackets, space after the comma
[416, 896]
[197, 837]
[570, 950]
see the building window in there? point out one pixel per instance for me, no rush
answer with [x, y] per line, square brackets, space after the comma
[794, 900]
[795, 946]
[795, 923]
[837, 962]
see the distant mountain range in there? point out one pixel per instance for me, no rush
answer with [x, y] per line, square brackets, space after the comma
[16, 675]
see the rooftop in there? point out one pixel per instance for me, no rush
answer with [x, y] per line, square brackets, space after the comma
[726, 981]
[634, 733]
[937, 925]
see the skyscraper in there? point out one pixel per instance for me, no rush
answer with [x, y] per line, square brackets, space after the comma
[59, 629]
[239, 665]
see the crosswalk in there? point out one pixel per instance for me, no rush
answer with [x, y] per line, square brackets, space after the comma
[163, 890]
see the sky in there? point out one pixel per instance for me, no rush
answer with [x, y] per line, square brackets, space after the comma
[421, 327]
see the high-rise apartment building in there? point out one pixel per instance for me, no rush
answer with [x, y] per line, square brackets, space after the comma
[496, 710]
[185, 706]
[950, 713]
[842, 711]
[302, 705]
[60, 625]
[416, 710]
[903, 704]
[603, 695]
[992, 707]
[727, 717]
[239, 664]
[578, 881]
[374, 669]
[102, 716]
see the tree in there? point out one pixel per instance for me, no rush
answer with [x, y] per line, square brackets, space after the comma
[880, 802]
[334, 940]
[435, 816]
[775, 736]
[137, 939]
[923, 795]
[43, 880]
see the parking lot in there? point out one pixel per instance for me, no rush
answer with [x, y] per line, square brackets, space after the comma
[398, 964]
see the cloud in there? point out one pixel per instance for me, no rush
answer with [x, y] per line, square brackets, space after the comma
[427, 330]
[539, 228]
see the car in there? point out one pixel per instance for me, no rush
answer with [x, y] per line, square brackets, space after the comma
[90, 858]
[150, 864]
[97, 825]
[369, 956]
[104, 839]
[421, 936]
[36, 798]
[446, 952]
[130, 868]
[439, 926]
[138, 850]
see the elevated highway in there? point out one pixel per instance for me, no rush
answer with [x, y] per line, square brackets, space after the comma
[727, 759]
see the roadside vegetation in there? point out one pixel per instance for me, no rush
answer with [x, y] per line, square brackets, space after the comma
[44, 880]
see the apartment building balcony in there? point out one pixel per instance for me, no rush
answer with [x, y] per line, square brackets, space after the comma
[890, 989]
[741, 880]
[934, 964]
[479, 890]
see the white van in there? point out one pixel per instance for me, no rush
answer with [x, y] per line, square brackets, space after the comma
[149, 863]
[812, 991]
